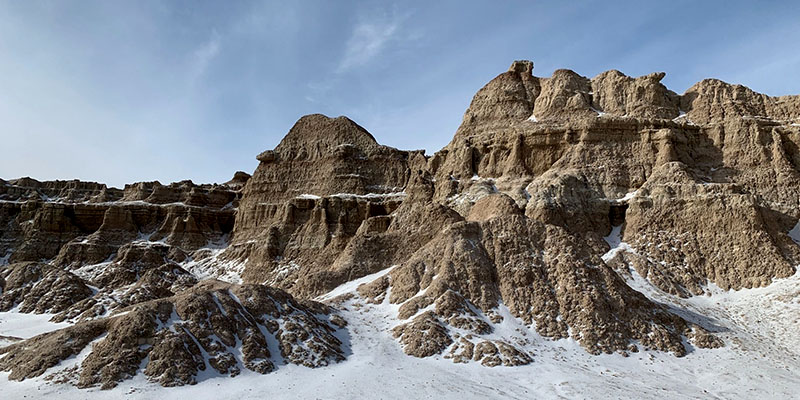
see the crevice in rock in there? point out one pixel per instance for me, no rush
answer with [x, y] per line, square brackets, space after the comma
[616, 214]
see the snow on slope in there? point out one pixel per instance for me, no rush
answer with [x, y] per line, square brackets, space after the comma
[794, 234]
[15, 326]
[760, 360]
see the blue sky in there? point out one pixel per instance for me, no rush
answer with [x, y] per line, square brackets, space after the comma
[118, 92]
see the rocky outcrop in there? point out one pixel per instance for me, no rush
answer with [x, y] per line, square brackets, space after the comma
[66, 222]
[326, 185]
[591, 143]
[687, 232]
[519, 90]
[215, 327]
[614, 93]
[323, 156]
[61, 239]
[238, 180]
[713, 101]
[40, 288]
[540, 273]
[67, 191]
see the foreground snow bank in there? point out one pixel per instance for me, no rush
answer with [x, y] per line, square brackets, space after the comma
[15, 326]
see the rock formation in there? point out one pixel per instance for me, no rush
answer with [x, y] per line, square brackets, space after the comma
[227, 327]
[326, 183]
[78, 223]
[552, 196]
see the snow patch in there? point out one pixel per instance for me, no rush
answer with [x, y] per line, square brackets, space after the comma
[614, 239]
[354, 284]
[24, 326]
[212, 267]
[370, 195]
[624, 199]
[283, 271]
[753, 364]
[627, 196]
[794, 234]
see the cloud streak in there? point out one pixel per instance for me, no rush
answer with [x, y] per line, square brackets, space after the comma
[368, 40]
[203, 56]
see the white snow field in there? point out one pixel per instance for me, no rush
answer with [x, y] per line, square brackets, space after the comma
[761, 329]
[15, 326]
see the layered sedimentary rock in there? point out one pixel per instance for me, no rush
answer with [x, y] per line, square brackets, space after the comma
[78, 223]
[498, 259]
[553, 195]
[328, 183]
[588, 145]
[702, 186]
[62, 238]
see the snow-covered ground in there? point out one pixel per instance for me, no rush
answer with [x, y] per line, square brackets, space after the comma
[760, 360]
[15, 326]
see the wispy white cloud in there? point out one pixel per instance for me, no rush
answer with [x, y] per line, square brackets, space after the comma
[203, 56]
[368, 39]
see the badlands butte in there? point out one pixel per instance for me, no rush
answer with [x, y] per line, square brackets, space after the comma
[552, 196]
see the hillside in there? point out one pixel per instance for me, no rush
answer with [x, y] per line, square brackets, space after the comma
[577, 237]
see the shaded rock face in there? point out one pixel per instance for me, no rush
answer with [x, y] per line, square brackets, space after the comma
[68, 223]
[74, 247]
[303, 237]
[689, 232]
[40, 288]
[214, 327]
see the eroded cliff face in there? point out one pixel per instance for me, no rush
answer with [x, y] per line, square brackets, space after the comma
[62, 237]
[614, 147]
[326, 183]
[552, 196]
[75, 223]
